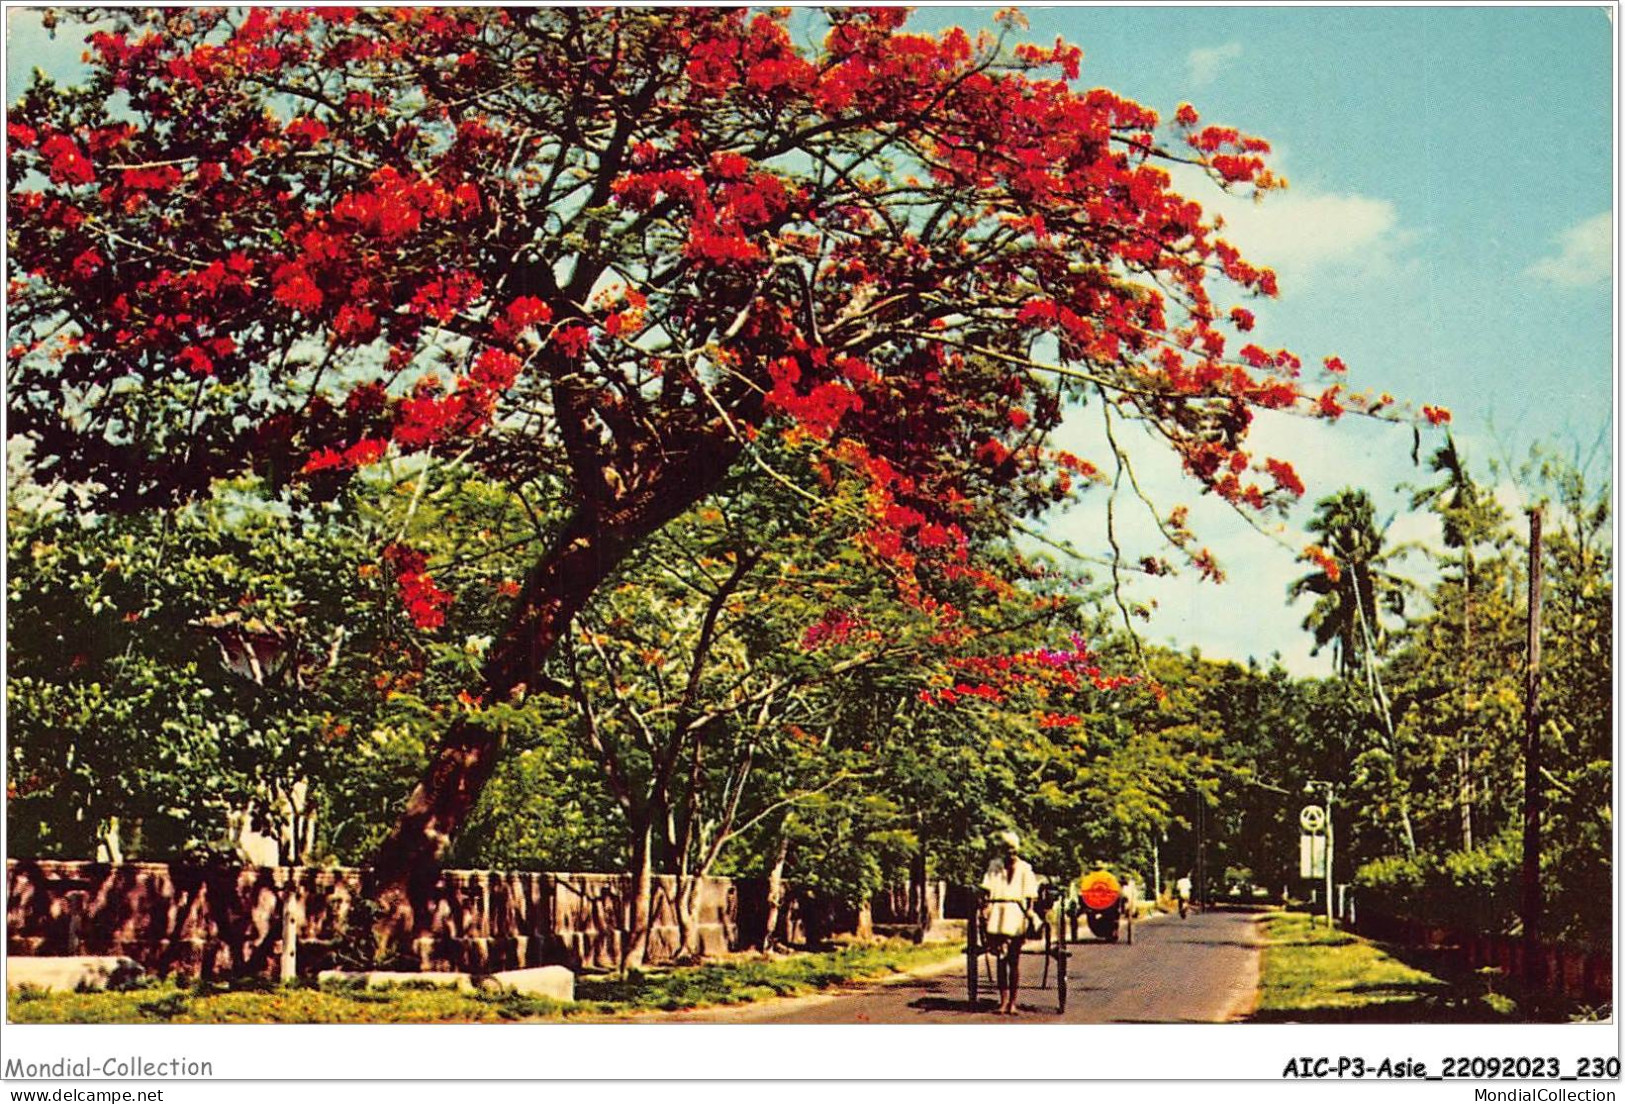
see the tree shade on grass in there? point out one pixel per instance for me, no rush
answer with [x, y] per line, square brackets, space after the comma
[1312, 975]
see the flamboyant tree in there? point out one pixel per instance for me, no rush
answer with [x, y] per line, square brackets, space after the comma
[610, 249]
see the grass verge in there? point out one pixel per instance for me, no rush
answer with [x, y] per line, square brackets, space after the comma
[732, 982]
[1311, 975]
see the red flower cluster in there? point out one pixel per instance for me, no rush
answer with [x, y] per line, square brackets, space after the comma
[427, 417]
[443, 297]
[425, 602]
[157, 179]
[951, 695]
[306, 131]
[395, 206]
[725, 210]
[292, 286]
[1327, 406]
[820, 408]
[69, 165]
[835, 627]
[1285, 476]
[87, 264]
[521, 314]
[360, 454]
[1323, 560]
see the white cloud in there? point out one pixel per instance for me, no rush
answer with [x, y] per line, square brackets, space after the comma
[1584, 255]
[1206, 61]
[1299, 231]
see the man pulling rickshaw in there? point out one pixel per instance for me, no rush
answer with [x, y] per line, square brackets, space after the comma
[1010, 890]
[1016, 906]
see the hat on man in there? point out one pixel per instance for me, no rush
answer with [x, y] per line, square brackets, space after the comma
[1010, 839]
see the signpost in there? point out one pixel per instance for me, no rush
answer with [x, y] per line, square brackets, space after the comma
[1312, 843]
[1311, 856]
[1313, 819]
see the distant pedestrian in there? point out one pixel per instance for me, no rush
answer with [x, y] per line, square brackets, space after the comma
[1182, 892]
[1009, 886]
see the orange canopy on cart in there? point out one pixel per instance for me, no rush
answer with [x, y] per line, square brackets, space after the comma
[1099, 890]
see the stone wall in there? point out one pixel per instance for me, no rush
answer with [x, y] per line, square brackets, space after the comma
[214, 921]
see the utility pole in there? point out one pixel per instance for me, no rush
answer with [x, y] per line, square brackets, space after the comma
[1330, 851]
[1533, 963]
[1201, 850]
[1156, 871]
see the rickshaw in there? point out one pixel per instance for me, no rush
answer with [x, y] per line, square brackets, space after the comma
[1105, 906]
[977, 956]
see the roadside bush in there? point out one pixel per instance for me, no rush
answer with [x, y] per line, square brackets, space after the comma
[1470, 891]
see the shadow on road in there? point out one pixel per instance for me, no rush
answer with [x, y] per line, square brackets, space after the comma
[947, 1004]
[1201, 942]
[944, 1004]
[981, 1007]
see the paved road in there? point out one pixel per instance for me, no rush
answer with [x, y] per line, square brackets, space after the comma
[1202, 969]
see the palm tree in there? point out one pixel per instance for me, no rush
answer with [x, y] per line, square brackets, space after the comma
[1351, 599]
[1353, 591]
[1469, 517]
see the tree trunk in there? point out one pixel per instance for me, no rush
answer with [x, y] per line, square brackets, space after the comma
[688, 921]
[109, 847]
[1407, 834]
[405, 870]
[640, 900]
[775, 893]
[1464, 755]
[1464, 794]
[918, 889]
[593, 543]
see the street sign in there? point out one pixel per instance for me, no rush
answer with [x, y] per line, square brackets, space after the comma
[1312, 819]
[1312, 856]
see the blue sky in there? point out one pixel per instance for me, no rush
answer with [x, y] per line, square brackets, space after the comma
[1447, 232]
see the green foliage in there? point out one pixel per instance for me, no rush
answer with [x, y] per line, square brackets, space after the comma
[1465, 890]
[1456, 676]
[748, 686]
[547, 808]
[181, 675]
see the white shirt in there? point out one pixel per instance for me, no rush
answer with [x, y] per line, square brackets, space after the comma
[1008, 894]
[1183, 887]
